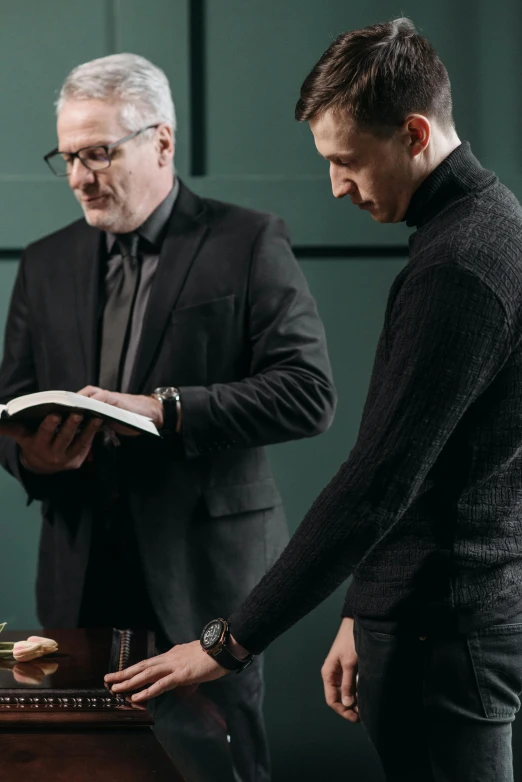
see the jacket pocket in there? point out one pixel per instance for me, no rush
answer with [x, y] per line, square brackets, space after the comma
[206, 309]
[228, 500]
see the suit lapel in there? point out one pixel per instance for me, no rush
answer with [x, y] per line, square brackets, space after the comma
[86, 270]
[186, 232]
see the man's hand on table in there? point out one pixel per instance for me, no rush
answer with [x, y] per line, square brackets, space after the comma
[339, 674]
[134, 403]
[56, 445]
[185, 665]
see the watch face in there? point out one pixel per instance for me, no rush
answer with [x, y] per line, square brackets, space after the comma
[211, 634]
[168, 392]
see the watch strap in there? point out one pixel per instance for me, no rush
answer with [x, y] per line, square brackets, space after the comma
[170, 413]
[170, 399]
[229, 661]
[218, 648]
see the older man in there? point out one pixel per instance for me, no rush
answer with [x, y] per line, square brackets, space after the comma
[190, 311]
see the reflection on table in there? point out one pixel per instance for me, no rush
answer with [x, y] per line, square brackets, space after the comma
[33, 672]
[58, 721]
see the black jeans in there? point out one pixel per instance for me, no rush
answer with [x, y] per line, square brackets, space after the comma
[440, 709]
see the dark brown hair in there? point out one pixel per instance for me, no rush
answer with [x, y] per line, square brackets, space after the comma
[379, 75]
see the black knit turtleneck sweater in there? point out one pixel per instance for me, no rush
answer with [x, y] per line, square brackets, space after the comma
[427, 510]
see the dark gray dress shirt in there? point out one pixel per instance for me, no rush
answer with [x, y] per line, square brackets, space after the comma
[151, 233]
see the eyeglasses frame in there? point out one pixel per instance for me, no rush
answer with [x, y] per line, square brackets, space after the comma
[107, 147]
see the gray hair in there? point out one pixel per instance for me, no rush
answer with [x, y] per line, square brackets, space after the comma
[141, 87]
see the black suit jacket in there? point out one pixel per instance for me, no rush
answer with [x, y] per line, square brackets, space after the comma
[232, 324]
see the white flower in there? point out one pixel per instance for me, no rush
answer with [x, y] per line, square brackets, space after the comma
[34, 647]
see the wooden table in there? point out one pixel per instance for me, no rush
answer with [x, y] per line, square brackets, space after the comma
[84, 755]
[58, 722]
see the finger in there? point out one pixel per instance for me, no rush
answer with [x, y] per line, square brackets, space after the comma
[45, 433]
[114, 398]
[351, 715]
[128, 673]
[67, 433]
[349, 686]
[162, 685]
[109, 397]
[140, 706]
[332, 694]
[332, 674]
[82, 444]
[147, 676]
[88, 390]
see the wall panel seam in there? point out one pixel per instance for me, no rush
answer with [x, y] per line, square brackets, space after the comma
[113, 25]
[304, 252]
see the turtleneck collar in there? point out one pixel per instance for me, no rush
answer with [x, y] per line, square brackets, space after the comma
[458, 174]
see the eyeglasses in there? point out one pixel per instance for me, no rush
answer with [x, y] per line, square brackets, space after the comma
[95, 158]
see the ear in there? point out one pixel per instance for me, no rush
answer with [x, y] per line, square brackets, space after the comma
[417, 131]
[165, 144]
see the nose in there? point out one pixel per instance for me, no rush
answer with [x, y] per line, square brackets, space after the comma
[342, 185]
[79, 175]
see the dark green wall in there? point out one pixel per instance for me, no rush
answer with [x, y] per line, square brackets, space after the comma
[235, 69]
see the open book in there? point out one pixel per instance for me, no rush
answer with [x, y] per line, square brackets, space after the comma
[34, 407]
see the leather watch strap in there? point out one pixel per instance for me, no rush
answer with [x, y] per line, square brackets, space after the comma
[170, 413]
[229, 661]
[169, 397]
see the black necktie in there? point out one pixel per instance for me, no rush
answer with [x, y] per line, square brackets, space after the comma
[117, 314]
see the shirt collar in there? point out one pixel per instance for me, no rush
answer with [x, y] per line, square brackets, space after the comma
[154, 228]
[458, 174]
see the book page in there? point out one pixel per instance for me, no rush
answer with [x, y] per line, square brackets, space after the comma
[47, 400]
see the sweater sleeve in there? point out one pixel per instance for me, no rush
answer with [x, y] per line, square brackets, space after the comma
[446, 339]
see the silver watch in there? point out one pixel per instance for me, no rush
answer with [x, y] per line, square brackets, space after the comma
[166, 392]
[170, 399]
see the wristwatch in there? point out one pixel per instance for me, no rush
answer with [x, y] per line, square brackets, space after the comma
[213, 641]
[170, 399]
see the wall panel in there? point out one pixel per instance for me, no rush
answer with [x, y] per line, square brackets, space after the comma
[235, 69]
[308, 740]
[19, 524]
[39, 44]
[243, 70]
